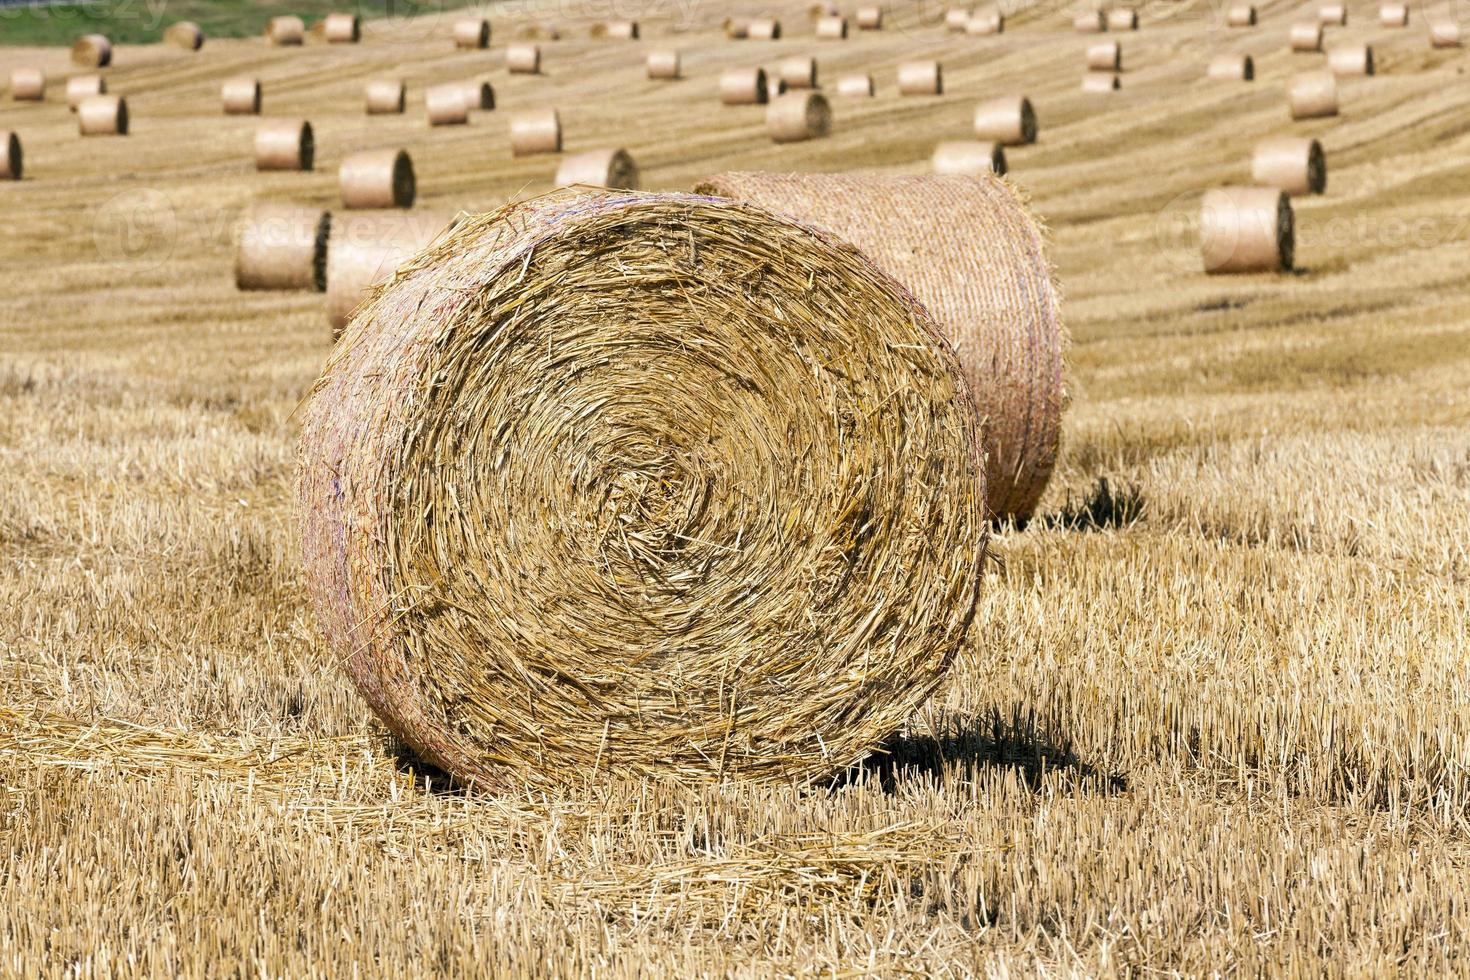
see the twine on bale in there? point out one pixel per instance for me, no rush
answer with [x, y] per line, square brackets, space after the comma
[184, 34]
[1241, 15]
[798, 116]
[445, 105]
[366, 248]
[284, 144]
[377, 179]
[1306, 37]
[523, 59]
[386, 97]
[472, 33]
[663, 66]
[341, 28]
[1107, 56]
[28, 85]
[240, 97]
[798, 72]
[1312, 95]
[1009, 121]
[103, 115]
[282, 246]
[743, 86]
[286, 31]
[971, 252]
[855, 86]
[1100, 81]
[869, 18]
[12, 160]
[80, 87]
[535, 132]
[833, 28]
[610, 485]
[91, 51]
[920, 78]
[1293, 164]
[612, 168]
[1352, 59]
[1231, 68]
[1393, 15]
[968, 157]
[1246, 229]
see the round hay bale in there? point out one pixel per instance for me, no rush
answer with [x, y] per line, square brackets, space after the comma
[798, 116]
[1241, 15]
[1351, 59]
[472, 33]
[284, 144]
[286, 31]
[535, 132]
[968, 157]
[599, 168]
[282, 246]
[445, 104]
[1293, 164]
[855, 86]
[920, 78]
[539, 32]
[798, 72]
[1246, 229]
[986, 23]
[342, 28]
[12, 160]
[670, 538]
[763, 29]
[775, 87]
[377, 179]
[663, 66]
[386, 97]
[1100, 81]
[972, 253]
[1120, 19]
[1092, 22]
[743, 86]
[1332, 15]
[1232, 68]
[956, 19]
[91, 51]
[737, 28]
[366, 248]
[1393, 15]
[832, 28]
[869, 18]
[523, 59]
[1009, 121]
[28, 85]
[103, 115]
[616, 30]
[80, 87]
[1312, 95]
[1306, 37]
[478, 94]
[184, 34]
[1444, 34]
[823, 8]
[1107, 57]
[241, 97]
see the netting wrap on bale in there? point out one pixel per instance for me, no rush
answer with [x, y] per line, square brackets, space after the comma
[971, 252]
[642, 485]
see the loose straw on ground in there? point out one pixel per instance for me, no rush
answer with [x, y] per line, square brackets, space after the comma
[241, 97]
[971, 252]
[663, 66]
[366, 247]
[286, 31]
[28, 85]
[798, 116]
[472, 33]
[377, 179]
[80, 87]
[535, 132]
[968, 157]
[1246, 229]
[1232, 68]
[523, 59]
[284, 144]
[1241, 15]
[628, 482]
[1293, 164]
[1312, 95]
[12, 159]
[1351, 59]
[445, 105]
[386, 96]
[599, 168]
[342, 28]
[282, 246]
[743, 86]
[920, 78]
[103, 115]
[856, 86]
[1009, 121]
[91, 51]
[184, 34]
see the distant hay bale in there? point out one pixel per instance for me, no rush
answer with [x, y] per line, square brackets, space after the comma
[535, 132]
[1332, 15]
[612, 168]
[282, 246]
[1100, 81]
[479, 95]
[1293, 164]
[797, 116]
[523, 59]
[663, 66]
[80, 87]
[677, 533]
[539, 32]
[855, 86]
[1232, 68]
[920, 78]
[775, 86]
[970, 250]
[1444, 34]
[446, 105]
[1393, 15]
[1351, 59]
[822, 8]
[1122, 19]
[968, 157]
[386, 96]
[616, 30]
[736, 28]
[377, 179]
[798, 72]
[12, 159]
[1306, 37]
[241, 97]
[985, 23]
[955, 19]
[1246, 229]
[184, 34]
[342, 28]
[743, 86]
[91, 51]
[366, 248]
[1241, 15]
[763, 29]
[472, 33]
[28, 85]
[284, 144]
[286, 31]
[1107, 56]
[1092, 22]
[103, 115]
[1312, 95]
[1009, 121]
[869, 18]
[832, 28]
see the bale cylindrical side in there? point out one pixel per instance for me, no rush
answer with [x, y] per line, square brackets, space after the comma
[472, 33]
[366, 248]
[342, 28]
[920, 78]
[535, 132]
[550, 515]
[478, 95]
[1246, 229]
[1306, 37]
[241, 97]
[377, 179]
[869, 18]
[663, 66]
[1107, 56]
[1232, 68]
[184, 34]
[1332, 15]
[1009, 121]
[855, 86]
[599, 168]
[282, 246]
[797, 116]
[80, 87]
[832, 28]
[28, 85]
[1444, 34]
[798, 72]
[743, 86]
[91, 51]
[1122, 19]
[1293, 164]
[955, 19]
[1352, 59]
[286, 31]
[523, 59]
[445, 105]
[968, 157]
[1393, 15]
[284, 144]
[985, 23]
[103, 115]
[971, 252]
[1092, 22]
[1312, 95]
[386, 96]
[1241, 15]
[1100, 81]
[12, 159]
[763, 29]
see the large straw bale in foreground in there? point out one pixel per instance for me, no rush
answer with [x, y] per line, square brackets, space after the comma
[366, 248]
[642, 485]
[973, 255]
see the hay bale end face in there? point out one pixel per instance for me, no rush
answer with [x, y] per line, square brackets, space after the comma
[1009, 121]
[241, 97]
[445, 105]
[1231, 68]
[12, 159]
[386, 97]
[921, 78]
[286, 31]
[1246, 229]
[1306, 37]
[832, 28]
[472, 33]
[798, 72]
[1107, 56]
[535, 132]
[366, 248]
[284, 144]
[1394, 15]
[1241, 15]
[1293, 164]
[869, 18]
[1100, 81]
[756, 384]
[377, 179]
[743, 86]
[613, 168]
[663, 66]
[184, 34]
[103, 115]
[1093, 22]
[1350, 60]
[855, 86]
[1312, 95]
[342, 28]
[28, 85]
[91, 51]
[282, 246]
[80, 87]
[523, 59]
[968, 157]
[798, 116]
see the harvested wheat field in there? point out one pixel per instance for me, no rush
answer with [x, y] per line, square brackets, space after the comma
[1206, 712]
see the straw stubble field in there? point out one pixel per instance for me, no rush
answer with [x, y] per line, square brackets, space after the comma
[1213, 714]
